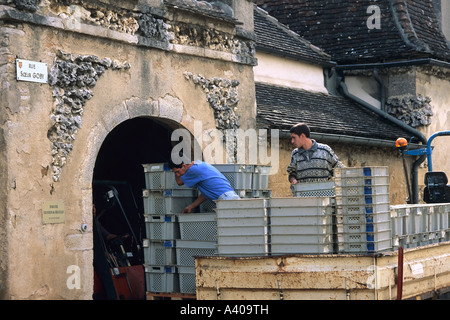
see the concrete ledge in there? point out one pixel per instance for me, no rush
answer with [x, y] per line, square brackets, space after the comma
[8, 13]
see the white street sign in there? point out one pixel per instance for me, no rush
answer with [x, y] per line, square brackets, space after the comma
[31, 71]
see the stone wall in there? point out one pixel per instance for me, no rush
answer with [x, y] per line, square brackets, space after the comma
[99, 77]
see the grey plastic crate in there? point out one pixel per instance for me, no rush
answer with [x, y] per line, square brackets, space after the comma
[349, 219]
[254, 193]
[187, 250]
[364, 242]
[415, 218]
[239, 175]
[356, 172]
[398, 224]
[314, 189]
[161, 227]
[242, 227]
[162, 279]
[364, 227]
[167, 201]
[198, 226]
[158, 176]
[361, 199]
[240, 250]
[362, 181]
[260, 177]
[304, 206]
[365, 247]
[187, 279]
[301, 225]
[207, 206]
[159, 252]
[363, 208]
[295, 248]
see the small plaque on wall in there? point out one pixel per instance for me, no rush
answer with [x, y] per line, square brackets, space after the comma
[53, 212]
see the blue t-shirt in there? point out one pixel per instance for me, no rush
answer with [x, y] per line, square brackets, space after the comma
[210, 181]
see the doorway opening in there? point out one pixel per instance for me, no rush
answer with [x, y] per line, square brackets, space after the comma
[119, 226]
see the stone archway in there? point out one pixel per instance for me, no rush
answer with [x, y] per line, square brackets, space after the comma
[167, 111]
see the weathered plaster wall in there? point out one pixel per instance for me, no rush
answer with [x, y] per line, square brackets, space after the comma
[419, 96]
[436, 85]
[35, 257]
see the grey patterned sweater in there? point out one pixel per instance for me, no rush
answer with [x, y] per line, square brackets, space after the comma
[313, 165]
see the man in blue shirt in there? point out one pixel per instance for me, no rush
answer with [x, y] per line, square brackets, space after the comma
[211, 183]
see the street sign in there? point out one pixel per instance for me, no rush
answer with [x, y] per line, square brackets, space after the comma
[31, 71]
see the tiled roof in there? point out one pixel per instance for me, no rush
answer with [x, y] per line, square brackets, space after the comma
[274, 37]
[408, 29]
[282, 107]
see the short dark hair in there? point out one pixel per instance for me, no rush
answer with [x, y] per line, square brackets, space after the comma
[173, 165]
[300, 128]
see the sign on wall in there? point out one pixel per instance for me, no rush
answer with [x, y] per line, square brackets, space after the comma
[53, 212]
[31, 71]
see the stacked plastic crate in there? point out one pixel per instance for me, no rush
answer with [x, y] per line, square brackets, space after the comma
[416, 225]
[249, 181]
[173, 239]
[198, 237]
[363, 219]
[242, 227]
[163, 200]
[301, 225]
[314, 189]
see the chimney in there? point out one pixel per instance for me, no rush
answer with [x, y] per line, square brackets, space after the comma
[242, 10]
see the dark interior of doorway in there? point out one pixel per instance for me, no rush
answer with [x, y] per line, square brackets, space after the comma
[118, 182]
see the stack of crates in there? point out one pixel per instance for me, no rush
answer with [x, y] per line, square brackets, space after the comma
[301, 225]
[163, 200]
[198, 237]
[363, 219]
[242, 227]
[249, 181]
[173, 239]
[416, 225]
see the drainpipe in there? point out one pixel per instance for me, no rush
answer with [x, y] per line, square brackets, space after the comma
[417, 134]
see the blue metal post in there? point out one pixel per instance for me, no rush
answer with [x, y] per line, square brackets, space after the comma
[429, 151]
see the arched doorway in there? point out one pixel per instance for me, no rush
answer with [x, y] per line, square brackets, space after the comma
[119, 226]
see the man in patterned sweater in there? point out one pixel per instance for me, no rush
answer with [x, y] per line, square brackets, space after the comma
[310, 161]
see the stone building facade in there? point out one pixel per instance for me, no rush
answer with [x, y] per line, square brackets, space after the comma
[122, 75]
[390, 55]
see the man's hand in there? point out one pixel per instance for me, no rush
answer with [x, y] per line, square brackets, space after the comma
[294, 181]
[201, 198]
[188, 209]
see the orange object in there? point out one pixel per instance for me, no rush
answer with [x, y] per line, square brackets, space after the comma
[129, 282]
[401, 143]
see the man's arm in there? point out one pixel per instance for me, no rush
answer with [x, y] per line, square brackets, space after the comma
[178, 179]
[201, 198]
[292, 171]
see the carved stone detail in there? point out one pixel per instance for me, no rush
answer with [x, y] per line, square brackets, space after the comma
[222, 95]
[72, 78]
[413, 110]
[202, 36]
